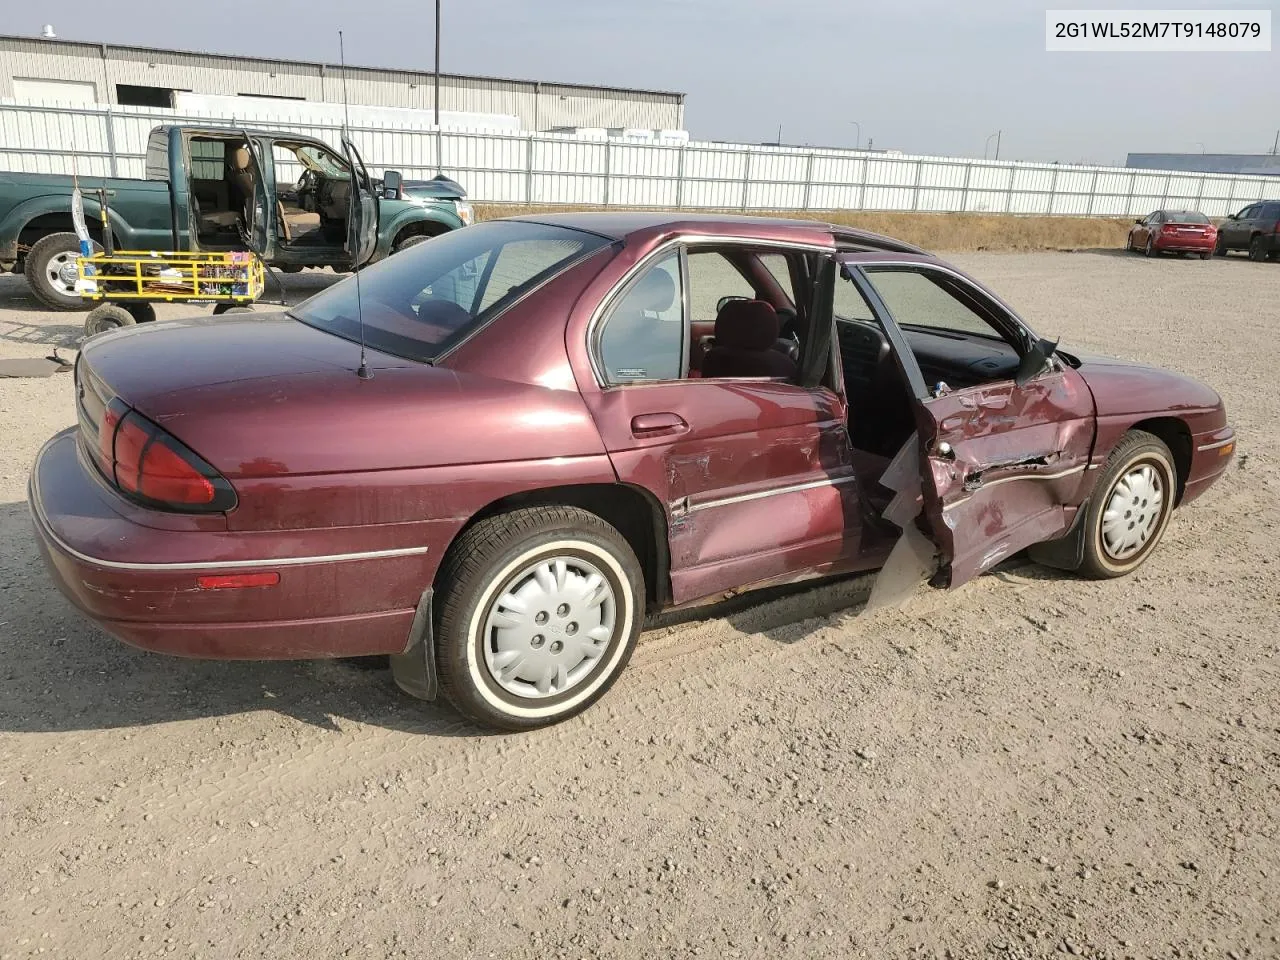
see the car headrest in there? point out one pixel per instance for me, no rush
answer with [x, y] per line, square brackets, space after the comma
[746, 325]
[240, 158]
[655, 291]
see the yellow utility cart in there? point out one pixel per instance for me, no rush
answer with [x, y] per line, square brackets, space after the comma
[126, 283]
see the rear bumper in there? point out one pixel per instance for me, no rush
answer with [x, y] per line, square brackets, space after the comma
[1186, 244]
[140, 582]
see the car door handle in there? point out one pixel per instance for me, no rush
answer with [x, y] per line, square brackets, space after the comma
[658, 425]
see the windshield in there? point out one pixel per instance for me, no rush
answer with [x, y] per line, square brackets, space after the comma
[421, 301]
[1186, 216]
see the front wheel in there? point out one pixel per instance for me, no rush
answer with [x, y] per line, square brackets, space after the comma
[1151, 250]
[1220, 246]
[539, 611]
[1130, 507]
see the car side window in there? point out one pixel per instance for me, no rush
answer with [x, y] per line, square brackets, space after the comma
[711, 278]
[1155, 218]
[643, 336]
[1271, 211]
[1248, 213]
[922, 298]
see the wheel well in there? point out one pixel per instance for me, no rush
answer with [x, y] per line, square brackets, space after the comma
[48, 223]
[632, 511]
[419, 228]
[1177, 437]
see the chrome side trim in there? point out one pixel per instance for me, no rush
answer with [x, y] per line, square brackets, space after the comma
[1215, 446]
[38, 514]
[1030, 476]
[607, 301]
[762, 494]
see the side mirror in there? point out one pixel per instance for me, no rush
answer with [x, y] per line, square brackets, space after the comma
[1232, 216]
[720, 304]
[1139, 220]
[392, 185]
[1034, 361]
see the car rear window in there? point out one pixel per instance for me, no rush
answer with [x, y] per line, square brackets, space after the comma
[1186, 216]
[420, 302]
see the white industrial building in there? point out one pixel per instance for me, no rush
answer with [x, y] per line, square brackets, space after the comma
[49, 70]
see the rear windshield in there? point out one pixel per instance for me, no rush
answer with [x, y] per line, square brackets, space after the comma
[1185, 216]
[420, 302]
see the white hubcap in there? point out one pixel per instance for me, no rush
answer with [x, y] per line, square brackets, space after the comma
[545, 633]
[62, 272]
[1133, 512]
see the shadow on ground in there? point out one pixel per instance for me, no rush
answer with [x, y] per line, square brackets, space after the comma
[61, 673]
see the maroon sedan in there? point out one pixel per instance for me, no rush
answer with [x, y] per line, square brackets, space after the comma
[1173, 231]
[567, 422]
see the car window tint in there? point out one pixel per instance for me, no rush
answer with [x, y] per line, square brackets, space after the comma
[1271, 211]
[849, 302]
[712, 277]
[917, 299]
[423, 300]
[644, 333]
[519, 260]
[776, 264]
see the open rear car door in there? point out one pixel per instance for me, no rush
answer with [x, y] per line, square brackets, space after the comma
[262, 216]
[1000, 462]
[362, 217]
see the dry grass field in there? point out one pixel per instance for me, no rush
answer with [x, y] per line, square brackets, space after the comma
[933, 231]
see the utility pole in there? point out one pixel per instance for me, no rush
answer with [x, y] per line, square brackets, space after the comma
[857, 134]
[1275, 147]
[437, 76]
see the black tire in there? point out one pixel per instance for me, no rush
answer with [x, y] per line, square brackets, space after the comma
[1220, 246]
[220, 308]
[48, 255]
[1150, 249]
[412, 241]
[1136, 450]
[1206, 255]
[1258, 249]
[107, 316]
[490, 559]
[140, 310]
[290, 268]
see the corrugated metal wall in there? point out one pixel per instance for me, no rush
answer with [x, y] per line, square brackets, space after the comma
[538, 105]
[553, 168]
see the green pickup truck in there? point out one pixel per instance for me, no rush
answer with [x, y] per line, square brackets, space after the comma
[295, 200]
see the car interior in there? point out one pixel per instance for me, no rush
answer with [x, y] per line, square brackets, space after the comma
[312, 192]
[747, 320]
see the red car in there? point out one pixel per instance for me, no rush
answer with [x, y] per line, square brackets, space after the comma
[565, 422]
[1173, 231]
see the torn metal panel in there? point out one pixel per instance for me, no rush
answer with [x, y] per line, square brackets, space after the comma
[914, 558]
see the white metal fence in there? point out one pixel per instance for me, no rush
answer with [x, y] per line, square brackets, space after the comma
[502, 167]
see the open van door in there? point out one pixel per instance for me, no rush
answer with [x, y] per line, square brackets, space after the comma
[1000, 462]
[362, 217]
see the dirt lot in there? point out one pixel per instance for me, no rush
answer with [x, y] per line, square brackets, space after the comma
[1034, 765]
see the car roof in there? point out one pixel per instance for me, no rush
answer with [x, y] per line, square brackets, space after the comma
[620, 225]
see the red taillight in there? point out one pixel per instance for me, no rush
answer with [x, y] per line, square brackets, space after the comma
[154, 467]
[1169, 228]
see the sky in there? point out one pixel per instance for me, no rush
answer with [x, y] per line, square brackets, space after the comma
[922, 76]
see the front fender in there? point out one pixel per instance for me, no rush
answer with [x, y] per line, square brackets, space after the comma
[28, 210]
[393, 221]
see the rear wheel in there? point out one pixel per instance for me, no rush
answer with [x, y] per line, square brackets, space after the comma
[538, 614]
[50, 268]
[107, 316]
[1150, 249]
[1130, 508]
[1258, 249]
[1206, 255]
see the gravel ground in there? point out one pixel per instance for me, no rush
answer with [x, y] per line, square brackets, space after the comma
[1034, 765]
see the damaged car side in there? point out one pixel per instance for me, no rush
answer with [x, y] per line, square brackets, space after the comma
[572, 421]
